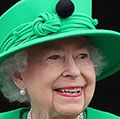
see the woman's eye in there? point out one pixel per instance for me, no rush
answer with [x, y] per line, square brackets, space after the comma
[83, 56]
[55, 57]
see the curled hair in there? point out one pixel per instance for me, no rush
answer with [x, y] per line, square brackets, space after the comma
[19, 63]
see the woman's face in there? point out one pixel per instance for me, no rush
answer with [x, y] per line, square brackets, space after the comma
[60, 76]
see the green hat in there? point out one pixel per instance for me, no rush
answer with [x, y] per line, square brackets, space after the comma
[31, 22]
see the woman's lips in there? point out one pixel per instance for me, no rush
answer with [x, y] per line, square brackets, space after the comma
[69, 91]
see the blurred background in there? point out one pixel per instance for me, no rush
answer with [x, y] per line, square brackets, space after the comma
[107, 95]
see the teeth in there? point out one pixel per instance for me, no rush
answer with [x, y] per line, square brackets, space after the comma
[75, 90]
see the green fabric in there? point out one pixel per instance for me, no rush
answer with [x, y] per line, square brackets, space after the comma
[89, 113]
[97, 114]
[15, 114]
[30, 22]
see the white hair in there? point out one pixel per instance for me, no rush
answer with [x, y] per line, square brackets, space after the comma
[19, 62]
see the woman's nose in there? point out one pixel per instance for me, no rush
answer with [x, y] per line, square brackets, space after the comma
[71, 69]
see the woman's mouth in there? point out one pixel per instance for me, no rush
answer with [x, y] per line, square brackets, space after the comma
[69, 91]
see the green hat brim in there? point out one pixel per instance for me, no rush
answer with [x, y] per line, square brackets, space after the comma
[106, 40]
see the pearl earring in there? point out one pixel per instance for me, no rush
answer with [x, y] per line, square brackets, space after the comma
[22, 92]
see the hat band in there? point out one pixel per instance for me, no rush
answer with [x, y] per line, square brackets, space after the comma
[45, 24]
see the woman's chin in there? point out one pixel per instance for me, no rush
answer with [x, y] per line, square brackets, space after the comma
[68, 109]
[67, 105]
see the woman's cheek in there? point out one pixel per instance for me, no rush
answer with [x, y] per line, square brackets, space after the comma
[89, 75]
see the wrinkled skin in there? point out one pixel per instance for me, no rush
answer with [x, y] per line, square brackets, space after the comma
[53, 65]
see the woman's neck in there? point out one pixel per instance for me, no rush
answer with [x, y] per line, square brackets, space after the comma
[46, 115]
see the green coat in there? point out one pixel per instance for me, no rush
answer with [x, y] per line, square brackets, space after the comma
[89, 113]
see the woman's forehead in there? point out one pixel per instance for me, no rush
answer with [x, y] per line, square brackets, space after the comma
[77, 42]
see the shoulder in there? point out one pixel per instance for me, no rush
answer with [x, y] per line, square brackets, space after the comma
[15, 114]
[97, 114]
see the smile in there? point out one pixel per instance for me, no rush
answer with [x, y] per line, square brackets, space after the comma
[69, 91]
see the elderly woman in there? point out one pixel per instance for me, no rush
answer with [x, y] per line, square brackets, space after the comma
[53, 61]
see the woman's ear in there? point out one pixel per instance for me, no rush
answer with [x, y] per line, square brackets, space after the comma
[18, 80]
